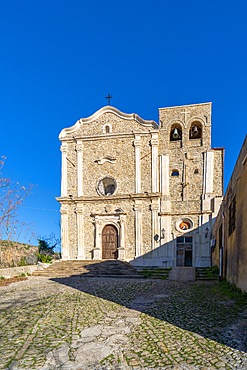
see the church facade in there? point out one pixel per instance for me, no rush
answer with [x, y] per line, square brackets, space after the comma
[139, 191]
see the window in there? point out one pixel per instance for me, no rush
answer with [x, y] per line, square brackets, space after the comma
[196, 171]
[232, 216]
[195, 130]
[106, 186]
[184, 224]
[175, 173]
[176, 133]
[107, 129]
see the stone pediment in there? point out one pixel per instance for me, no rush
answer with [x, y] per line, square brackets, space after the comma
[104, 116]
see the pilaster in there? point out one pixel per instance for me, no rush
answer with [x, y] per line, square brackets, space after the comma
[79, 147]
[154, 144]
[64, 232]
[208, 178]
[80, 233]
[138, 227]
[63, 149]
[97, 251]
[155, 222]
[137, 144]
[121, 249]
[164, 183]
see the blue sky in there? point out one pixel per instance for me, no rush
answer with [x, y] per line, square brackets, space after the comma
[59, 59]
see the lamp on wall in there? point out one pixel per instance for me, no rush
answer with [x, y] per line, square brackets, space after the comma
[162, 236]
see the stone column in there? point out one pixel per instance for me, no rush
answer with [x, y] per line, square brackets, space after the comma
[154, 145]
[138, 227]
[79, 147]
[64, 232]
[63, 149]
[121, 249]
[80, 233]
[155, 222]
[137, 144]
[97, 251]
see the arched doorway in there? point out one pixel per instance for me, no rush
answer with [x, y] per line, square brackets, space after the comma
[109, 242]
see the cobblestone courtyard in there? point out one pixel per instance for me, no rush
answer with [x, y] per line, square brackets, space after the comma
[91, 323]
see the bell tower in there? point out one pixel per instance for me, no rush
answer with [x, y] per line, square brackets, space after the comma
[191, 181]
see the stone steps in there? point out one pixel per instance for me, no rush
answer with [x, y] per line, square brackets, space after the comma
[155, 273]
[105, 268]
[207, 273]
[182, 274]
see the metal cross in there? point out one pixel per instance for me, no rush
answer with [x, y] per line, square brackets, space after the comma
[108, 97]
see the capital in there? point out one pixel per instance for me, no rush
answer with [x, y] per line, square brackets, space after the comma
[138, 206]
[63, 148]
[137, 141]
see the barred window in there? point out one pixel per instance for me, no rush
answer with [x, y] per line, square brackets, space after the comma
[232, 216]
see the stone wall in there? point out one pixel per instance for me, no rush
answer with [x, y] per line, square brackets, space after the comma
[232, 245]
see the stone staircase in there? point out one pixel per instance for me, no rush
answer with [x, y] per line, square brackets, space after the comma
[207, 273]
[182, 274]
[105, 268]
[155, 272]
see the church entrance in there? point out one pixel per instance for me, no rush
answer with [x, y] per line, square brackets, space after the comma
[109, 242]
[184, 251]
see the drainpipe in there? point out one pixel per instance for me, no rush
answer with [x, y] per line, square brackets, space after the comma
[222, 247]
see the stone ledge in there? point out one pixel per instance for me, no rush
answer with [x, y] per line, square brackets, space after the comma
[16, 271]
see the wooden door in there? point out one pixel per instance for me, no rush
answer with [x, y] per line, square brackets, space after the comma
[109, 242]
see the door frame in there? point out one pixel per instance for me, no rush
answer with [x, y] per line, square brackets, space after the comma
[100, 221]
[117, 240]
[184, 243]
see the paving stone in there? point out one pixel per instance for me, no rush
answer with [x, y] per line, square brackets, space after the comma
[109, 324]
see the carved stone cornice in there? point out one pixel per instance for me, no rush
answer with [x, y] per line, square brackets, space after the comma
[111, 198]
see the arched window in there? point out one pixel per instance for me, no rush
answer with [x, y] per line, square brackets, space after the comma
[175, 173]
[176, 132]
[196, 130]
[107, 129]
[196, 171]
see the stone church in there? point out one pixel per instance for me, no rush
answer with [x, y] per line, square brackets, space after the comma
[139, 191]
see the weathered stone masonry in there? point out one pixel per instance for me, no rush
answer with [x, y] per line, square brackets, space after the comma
[138, 191]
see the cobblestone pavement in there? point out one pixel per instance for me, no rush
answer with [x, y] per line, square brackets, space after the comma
[91, 323]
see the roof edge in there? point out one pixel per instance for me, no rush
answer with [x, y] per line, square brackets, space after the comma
[108, 109]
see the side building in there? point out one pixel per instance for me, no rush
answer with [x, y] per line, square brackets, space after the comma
[229, 231]
[139, 191]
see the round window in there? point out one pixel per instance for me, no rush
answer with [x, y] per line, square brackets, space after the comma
[106, 186]
[184, 225]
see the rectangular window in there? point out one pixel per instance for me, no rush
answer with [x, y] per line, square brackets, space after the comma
[232, 216]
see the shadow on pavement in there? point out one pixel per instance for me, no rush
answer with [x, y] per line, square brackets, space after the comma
[203, 307]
